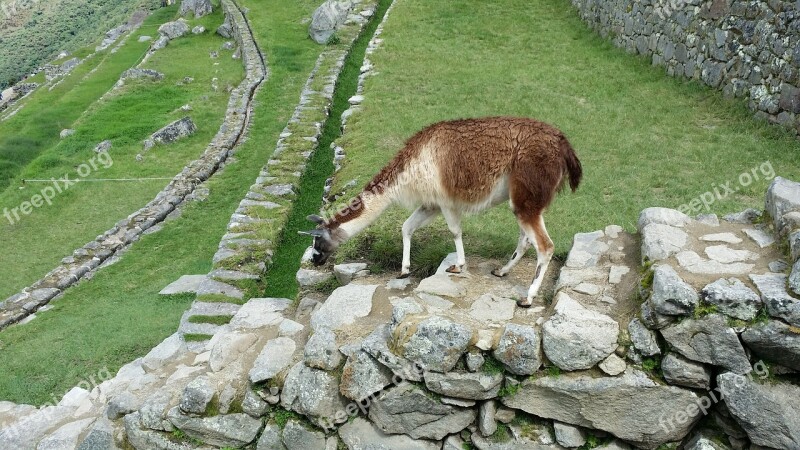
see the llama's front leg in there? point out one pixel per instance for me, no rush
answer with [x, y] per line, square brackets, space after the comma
[537, 233]
[453, 220]
[419, 218]
[522, 246]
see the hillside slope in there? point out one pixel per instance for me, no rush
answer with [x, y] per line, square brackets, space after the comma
[32, 32]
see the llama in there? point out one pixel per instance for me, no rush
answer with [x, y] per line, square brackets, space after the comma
[463, 167]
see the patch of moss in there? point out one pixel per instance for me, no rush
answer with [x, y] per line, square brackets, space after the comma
[492, 366]
[196, 337]
[215, 320]
[502, 434]
[703, 309]
[282, 416]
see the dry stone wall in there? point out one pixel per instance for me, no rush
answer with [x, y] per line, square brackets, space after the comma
[746, 49]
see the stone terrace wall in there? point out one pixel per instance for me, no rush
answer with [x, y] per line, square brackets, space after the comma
[746, 49]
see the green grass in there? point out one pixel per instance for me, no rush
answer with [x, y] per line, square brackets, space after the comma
[35, 244]
[214, 320]
[280, 280]
[118, 315]
[644, 139]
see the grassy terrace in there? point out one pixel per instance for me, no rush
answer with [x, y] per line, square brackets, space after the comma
[118, 316]
[34, 244]
[644, 139]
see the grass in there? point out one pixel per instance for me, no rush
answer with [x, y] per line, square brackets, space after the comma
[34, 245]
[280, 280]
[214, 320]
[644, 139]
[118, 315]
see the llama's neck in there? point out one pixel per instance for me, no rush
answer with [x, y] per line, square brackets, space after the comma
[359, 213]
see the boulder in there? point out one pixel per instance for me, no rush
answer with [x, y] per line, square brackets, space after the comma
[253, 405]
[141, 73]
[631, 407]
[407, 409]
[473, 386]
[197, 7]
[663, 216]
[661, 241]
[360, 434]
[345, 273]
[273, 359]
[519, 349]
[297, 437]
[174, 131]
[587, 248]
[487, 425]
[613, 365]
[344, 306]
[377, 345]
[683, 372]
[568, 435]
[578, 338]
[65, 133]
[103, 147]
[769, 413]
[783, 196]
[709, 340]
[671, 295]
[773, 293]
[225, 30]
[315, 394]
[643, 339]
[362, 375]
[197, 395]
[733, 298]
[138, 438]
[174, 30]
[270, 438]
[154, 411]
[168, 350]
[435, 343]
[228, 347]
[227, 430]
[321, 351]
[260, 313]
[66, 436]
[774, 341]
[326, 18]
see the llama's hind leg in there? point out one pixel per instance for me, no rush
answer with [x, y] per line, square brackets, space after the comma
[537, 233]
[419, 218]
[522, 246]
[453, 219]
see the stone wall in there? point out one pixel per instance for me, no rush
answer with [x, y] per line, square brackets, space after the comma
[746, 49]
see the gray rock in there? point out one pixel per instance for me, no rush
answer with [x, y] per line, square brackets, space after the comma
[346, 272]
[229, 430]
[321, 351]
[774, 341]
[282, 190]
[141, 73]
[228, 347]
[197, 395]
[769, 413]
[435, 343]
[99, 437]
[694, 263]
[145, 38]
[474, 386]
[519, 349]
[661, 241]
[65, 133]
[197, 7]
[199, 29]
[727, 237]
[176, 130]
[225, 30]
[315, 394]
[773, 293]
[260, 313]
[629, 406]
[568, 435]
[586, 250]
[762, 238]
[360, 434]
[794, 245]
[186, 284]
[486, 423]
[442, 285]
[167, 350]
[783, 196]
[643, 339]
[398, 284]
[160, 43]
[794, 278]
[377, 345]
[326, 18]
[362, 376]
[733, 298]
[492, 308]
[297, 437]
[311, 277]
[577, 338]
[253, 405]
[726, 255]
[663, 216]
[683, 372]
[474, 361]
[270, 438]
[454, 442]
[406, 409]
[103, 147]
[613, 365]
[671, 295]
[213, 287]
[174, 30]
[273, 359]
[709, 340]
[66, 436]
[140, 438]
[702, 442]
[154, 410]
[344, 306]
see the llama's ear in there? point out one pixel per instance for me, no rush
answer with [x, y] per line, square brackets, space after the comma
[316, 219]
[315, 233]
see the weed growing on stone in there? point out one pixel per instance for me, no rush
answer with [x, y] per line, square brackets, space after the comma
[703, 309]
[502, 434]
[282, 416]
[492, 366]
[508, 389]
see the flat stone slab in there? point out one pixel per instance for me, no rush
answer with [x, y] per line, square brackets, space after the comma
[760, 237]
[492, 308]
[260, 312]
[728, 238]
[696, 264]
[725, 254]
[344, 306]
[773, 293]
[274, 358]
[186, 284]
[213, 287]
[441, 285]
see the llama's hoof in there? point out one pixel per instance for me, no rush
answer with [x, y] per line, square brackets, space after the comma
[453, 269]
[524, 303]
[404, 275]
[498, 274]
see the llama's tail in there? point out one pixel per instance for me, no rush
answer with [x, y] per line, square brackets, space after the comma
[573, 165]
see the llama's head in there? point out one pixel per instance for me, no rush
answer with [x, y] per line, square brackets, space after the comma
[324, 244]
